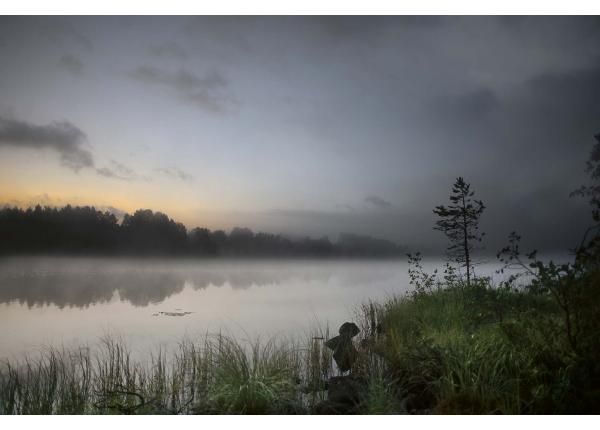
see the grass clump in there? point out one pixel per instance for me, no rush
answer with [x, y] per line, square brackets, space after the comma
[262, 380]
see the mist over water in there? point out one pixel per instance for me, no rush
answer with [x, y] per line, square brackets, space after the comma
[55, 301]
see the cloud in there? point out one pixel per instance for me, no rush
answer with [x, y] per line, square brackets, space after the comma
[565, 99]
[62, 32]
[357, 27]
[62, 137]
[206, 92]
[117, 171]
[476, 103]
[71, 64]
[345, 207]
[175, 173]
[170, 50]
[378, 202]
[469, 107]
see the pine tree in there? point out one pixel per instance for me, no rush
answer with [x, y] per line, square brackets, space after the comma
[460, 223]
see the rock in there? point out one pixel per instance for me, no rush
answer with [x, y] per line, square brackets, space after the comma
[344, 352]
[343, 396]
[349, 329]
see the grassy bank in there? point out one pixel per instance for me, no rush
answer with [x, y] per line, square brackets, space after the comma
[451, 348]
[480, 350]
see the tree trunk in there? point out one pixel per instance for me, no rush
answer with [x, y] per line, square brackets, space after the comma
[466, 242]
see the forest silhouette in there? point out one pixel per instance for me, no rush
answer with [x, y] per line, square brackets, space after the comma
[86, 230]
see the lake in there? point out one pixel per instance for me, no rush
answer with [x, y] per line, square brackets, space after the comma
[60, 301]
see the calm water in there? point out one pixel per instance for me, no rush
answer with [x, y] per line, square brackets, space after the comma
[151, 303]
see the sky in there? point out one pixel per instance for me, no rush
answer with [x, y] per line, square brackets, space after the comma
[305, 125]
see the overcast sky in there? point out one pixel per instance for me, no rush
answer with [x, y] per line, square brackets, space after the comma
[304, 125]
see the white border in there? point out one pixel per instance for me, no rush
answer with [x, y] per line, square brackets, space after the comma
[310, 7]
[361, 422]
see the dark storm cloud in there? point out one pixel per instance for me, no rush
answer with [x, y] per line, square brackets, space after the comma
[555, 111]
[206, 92]
[71, 64]
[378, 202]
[525, 152]
[568, 101]
[62, 137]
[175, 173]
[509, 103]
[546, 217]
[471, 106]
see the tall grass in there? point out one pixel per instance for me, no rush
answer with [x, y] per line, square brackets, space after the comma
[58, 382]
[217, 375]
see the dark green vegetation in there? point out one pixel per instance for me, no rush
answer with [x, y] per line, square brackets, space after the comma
[85, 230]
[527, 346]
[481, 350]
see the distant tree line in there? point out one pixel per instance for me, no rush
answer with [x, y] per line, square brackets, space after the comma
[85, 230]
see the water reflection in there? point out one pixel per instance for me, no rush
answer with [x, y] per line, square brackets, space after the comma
[84, 282]
[69, 301]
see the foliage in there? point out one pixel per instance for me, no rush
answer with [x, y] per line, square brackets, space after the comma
[592, 191]
[460, 223]
[424, 282]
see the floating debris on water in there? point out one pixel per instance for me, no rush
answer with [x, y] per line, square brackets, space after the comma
[173, 314]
